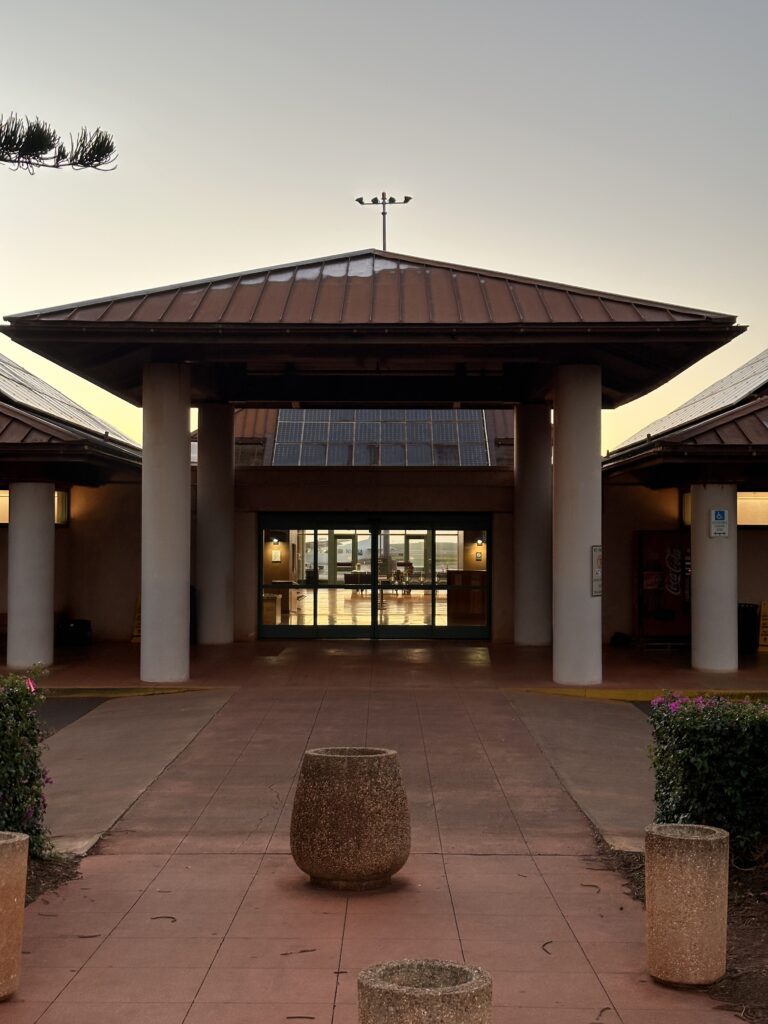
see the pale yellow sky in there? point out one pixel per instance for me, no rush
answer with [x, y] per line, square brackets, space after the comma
[614, 145]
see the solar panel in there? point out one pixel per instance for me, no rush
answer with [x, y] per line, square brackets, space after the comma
[392, 431]
[419, 455]
[340, 454]
[444, 433]
[386, 437]
[22, 388]
[286, 455]
[313, 454]
[288, 431]
[749, 379]
[474, 455]
[315, 432]
[393, 455]
[368, 432]
[342, 432]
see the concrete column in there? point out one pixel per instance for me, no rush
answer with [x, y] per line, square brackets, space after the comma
[31, 546]
[714, 581]
[165, 525]
[533, 526]
[576, 526]
[215, 525]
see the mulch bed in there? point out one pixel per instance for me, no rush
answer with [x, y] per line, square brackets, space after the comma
[48, 873]
[744, 989]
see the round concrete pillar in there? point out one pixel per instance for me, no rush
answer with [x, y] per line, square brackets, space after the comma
[533, 526]
[165, 525]
[576, 526]
[31, 547]
[215, 525]
[714, 578]
[686, 903]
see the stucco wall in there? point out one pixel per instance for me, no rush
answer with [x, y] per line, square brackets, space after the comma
[627, 509]
[753, 564]
[105, 558]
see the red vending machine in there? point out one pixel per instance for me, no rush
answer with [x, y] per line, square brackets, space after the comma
[664, 603]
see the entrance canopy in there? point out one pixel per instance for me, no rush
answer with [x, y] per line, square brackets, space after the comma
[373, 328]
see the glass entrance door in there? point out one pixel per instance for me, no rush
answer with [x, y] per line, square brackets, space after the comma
[374, 579]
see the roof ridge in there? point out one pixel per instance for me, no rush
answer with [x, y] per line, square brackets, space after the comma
[382, 254]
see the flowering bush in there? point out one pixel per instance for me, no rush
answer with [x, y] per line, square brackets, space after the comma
[710, 756]
[22, 776]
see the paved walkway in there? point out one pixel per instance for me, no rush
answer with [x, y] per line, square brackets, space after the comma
[191, 910]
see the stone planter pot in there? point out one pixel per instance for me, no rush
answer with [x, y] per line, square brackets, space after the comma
[686, 902]
[350, 827]
[13, 889]
[424, 992]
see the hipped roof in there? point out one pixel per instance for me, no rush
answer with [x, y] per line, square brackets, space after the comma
[370, 314]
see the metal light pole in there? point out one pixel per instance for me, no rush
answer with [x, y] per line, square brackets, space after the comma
[384, 202]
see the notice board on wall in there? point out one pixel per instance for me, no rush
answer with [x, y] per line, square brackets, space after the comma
[664, 569]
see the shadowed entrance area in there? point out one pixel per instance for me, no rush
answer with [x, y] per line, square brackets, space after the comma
[191, 908]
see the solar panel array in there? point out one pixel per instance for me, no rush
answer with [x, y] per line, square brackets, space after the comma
[381, 437]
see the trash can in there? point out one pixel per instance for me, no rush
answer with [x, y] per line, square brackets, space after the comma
[749, 628]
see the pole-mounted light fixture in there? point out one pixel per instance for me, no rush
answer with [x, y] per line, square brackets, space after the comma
[384, 201]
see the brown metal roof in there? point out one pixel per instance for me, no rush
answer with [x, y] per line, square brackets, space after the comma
[369, 329]
[369, 287]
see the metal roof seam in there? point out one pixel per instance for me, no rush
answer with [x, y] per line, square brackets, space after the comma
[174, 296]
[608, 313]
[321, 267]
[260, 296]
[574, 305]
[428, 292]
[457, 297]
[373, 289]
[288, 295]
[543, 301]
[513, 296]
[486, 300]
[236, 281]
[346, 289]
[203, 297]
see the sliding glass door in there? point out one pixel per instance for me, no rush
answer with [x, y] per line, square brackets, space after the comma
[374, 579]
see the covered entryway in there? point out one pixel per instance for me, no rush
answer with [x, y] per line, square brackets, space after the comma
[374, 329]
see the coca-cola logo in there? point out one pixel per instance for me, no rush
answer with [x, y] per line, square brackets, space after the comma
[673, 583]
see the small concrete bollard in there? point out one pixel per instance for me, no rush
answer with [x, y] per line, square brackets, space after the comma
[686, 902]
[424, 992]
[13, 889]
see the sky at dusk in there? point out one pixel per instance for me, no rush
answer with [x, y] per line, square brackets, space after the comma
[612, 144]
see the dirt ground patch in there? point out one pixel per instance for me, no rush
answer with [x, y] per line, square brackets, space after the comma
[44, 874]
[744, 989]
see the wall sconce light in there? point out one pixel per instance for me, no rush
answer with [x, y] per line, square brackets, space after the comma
[479, 542]
[275, 540]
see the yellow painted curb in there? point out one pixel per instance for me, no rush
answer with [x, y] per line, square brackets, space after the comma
[644, 695]
[114, 692]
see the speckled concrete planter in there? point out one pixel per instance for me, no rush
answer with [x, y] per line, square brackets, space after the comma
[424, 992]
[13, 889]
[686, 902]
[350, 827]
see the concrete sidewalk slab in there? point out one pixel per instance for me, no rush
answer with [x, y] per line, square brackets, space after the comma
[599, 749]
[102, 762]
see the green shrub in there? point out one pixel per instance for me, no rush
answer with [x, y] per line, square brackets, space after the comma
[22, 776]
[710, 756]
